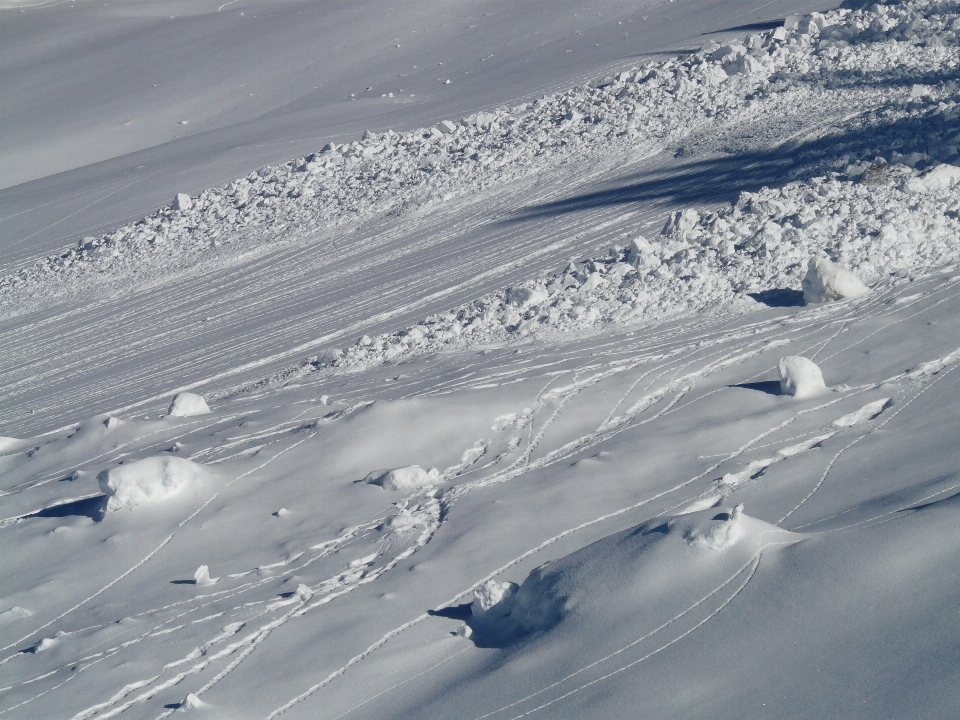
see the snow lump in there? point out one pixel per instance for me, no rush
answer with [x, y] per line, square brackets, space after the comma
[826, 282]
[151, 480]
[800, 377]
[187, 404]
[410, 477]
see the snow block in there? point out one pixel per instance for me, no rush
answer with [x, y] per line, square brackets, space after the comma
[410, 477]
[187, 404]
[446, 127]
[182, 202]
[150, 480]
[826, 282]
[940, 178]
[800, 377]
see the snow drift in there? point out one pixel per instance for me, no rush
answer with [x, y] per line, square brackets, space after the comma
[151, 480]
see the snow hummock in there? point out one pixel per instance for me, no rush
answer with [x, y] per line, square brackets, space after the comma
[411, 477]
[826, 282]
[151, 480]
[721, 535]
[800, 377]
[187, 404]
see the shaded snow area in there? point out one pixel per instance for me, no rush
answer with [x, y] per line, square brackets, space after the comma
[636, 400]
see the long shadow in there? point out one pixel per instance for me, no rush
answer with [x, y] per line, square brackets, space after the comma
[93, 508]
[770, 387]
[719, 180]
[779, 297]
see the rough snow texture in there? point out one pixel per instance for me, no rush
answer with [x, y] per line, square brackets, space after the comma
[800, 377]
[657, 103]
[826, 282]
[187, 404]
[411, 477]
[147, 481]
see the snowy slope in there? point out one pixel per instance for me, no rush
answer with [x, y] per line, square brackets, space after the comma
[112, 108]
[497, 421]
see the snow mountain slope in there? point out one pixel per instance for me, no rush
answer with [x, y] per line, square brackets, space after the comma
[565, 409]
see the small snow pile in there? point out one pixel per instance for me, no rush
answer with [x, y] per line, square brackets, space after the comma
[411, 477]
[187, 404]
[494, 599]
[941, 177]
[9, 444]
[150, 480]
[800, 377]
[192, 702]
[722, 533]
[202, 577]
[827, 282]
[182, 202]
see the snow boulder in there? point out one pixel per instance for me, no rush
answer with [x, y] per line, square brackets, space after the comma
[151, 480]
[187, 404]
[182, 202]
[800, 377]
[827, 282]
[410, 477]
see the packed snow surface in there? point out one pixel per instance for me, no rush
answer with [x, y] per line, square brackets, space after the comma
[593, 315]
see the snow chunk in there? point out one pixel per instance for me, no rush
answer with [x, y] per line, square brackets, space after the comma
[940, 178]
[410, 477]
[202, 577]
[446, 127]
[826, 282]
[494, 599]
[152, 479]
[187, 404]
[800, 377]
[182, 202]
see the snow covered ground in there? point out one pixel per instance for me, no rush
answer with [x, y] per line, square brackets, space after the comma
[632, 398]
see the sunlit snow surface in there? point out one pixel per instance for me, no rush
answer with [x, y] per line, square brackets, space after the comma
[537, 485]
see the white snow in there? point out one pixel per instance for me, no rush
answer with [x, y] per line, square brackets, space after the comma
[826, 281]
[411, 477]
[566, 280]
[187, 404]
[150, 480]
[800, 377]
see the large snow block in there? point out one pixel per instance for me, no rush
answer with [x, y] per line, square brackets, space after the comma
[800, 377]
[187, 404]
[827, 282]
[146, 481]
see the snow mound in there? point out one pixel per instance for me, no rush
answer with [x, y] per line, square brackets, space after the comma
[146, 481]
[13, 614]
[827, 282]
[9, 444]
[411, 477]
[187, 404]
[202, 577]
[620, 578]
[939, 178]
[721, 535]
[800, 377]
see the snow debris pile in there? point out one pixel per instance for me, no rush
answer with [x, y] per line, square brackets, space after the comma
[411, 477]
[151, 480]
[187, 404]
[643, 108]
[826, 282]
[800, 377]
[705, 262]
[619, 578]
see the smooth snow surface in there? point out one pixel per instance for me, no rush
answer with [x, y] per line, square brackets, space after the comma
[516, 411]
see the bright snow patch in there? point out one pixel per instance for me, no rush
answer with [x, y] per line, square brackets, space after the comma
[867, 412]
[410, 477]
[186, 404]
[800, 377]
[826, 282]
[153, 479]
